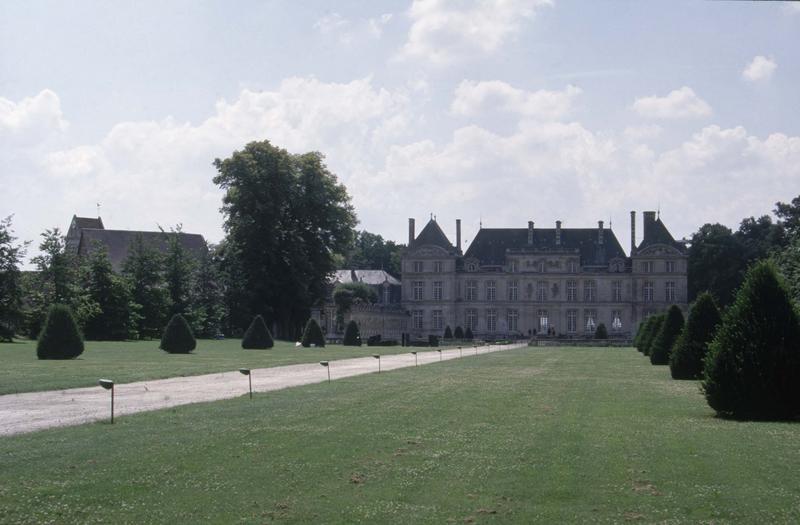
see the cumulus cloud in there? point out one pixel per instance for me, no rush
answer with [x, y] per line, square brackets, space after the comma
[444, 31]
[472, 98]
[348, 31]
[32, 118]
[760, 68]
[680, 103]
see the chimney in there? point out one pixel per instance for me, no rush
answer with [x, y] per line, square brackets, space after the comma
[530, 233]
[599, 232]
[411, 235]
[633, 232]
[649, 221]
[458, 235]
[558, 233]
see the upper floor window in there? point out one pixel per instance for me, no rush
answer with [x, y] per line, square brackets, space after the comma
[669, 290]
[418, 266]
[647, 291]
[646, 266]
[491, 291]
[541, 291]
[616, 291]
[669, 266]
[471, 267]
[572, 266]
[419, 290]
[590, 291]
[472, 290]
[512, 267]
[513, 290]
[540, 267]
[437, 290]
[438, 267]
[572, 291]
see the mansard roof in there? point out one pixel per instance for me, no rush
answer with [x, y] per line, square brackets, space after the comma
[656, 233]
[87, 222]
[118, 242]
[372, 277]
[432, 234]
[491, 244]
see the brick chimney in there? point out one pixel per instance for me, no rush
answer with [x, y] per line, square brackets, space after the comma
[458, 235]
[558, 233]
[649, 222]
[599, 232]
[633, 232]
[530, 233]
[411, 235]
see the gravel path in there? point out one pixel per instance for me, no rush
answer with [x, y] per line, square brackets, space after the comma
[29, 412]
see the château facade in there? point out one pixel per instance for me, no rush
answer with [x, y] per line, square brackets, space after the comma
[524, 282]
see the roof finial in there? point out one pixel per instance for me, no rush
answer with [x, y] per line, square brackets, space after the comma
[658, 212]
[480, 221]
[431, 215]
[98, 209]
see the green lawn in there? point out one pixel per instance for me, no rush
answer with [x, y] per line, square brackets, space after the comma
[21, 371]
[544, 435]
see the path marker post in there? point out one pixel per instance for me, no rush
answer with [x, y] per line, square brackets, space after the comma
[415, 358]
[440, 353]
[246, 371]
[109, 385]
[327, 366]
[378, 357]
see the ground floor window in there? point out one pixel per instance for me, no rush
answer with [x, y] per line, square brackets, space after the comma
[572, 321]
[471, 319]
[438, 323]
[513, 320]
[491, 320]
[544, 321]
[590, 318]
[616, 320]
[416, 319]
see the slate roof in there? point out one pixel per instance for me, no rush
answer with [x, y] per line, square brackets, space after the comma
[491, 244]
[117, 242]
[432, 234]
[656, 233]
[373, 277]
[87, 222]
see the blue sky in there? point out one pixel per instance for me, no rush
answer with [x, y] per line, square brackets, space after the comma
[507, 111]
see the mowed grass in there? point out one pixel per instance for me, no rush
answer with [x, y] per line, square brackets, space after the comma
[534, 435]
[124, 362]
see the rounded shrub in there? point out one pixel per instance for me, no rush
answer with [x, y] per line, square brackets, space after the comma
[312, 335]
[644, 327]
[257, 336]
[468, 334]
[178, 337]
[666, 337]
[686, 358]
[752, 369]
[60, 337]
[352, 336]
[601, 332]
[458, 333]
[448, 334]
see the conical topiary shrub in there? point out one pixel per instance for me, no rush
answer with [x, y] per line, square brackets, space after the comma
[468, 334]
[257, 336]
[752, 369]
[652, 333]
[459, 333]
[352, 336]
[312, 335]
[667, 334]
[60, 337]
[686, 358]
[178, 337]
[638, 338]
[601, 332]
[448, 334]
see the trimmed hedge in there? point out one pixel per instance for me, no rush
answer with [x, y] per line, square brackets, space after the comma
[257, 336]
[433, 340]
[60, 337]
[752, 370]
[448, 334]
[352, 336]
[667, 334]
[312, 335]
[468, 334]
[459, 333]
[601, 332]
[178, 337]
[686, 358]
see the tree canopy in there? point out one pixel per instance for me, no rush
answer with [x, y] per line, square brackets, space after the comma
[369, 251]
[11, 254]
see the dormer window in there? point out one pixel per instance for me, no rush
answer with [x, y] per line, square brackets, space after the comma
[438, 267]
[540, 266]
[512, 267]
[572, 266]
[471, 267]
[418, 267]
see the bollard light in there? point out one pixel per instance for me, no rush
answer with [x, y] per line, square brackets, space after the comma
[415, 358]
[460, 354]
[327, 366]
[440, 353]
[246, 371]
[109, 385]
[378, 357]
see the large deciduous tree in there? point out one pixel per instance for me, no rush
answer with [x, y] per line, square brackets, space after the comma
[285, 218]
[143, 268]
[11, 254]
[116, 315]
[369, 251]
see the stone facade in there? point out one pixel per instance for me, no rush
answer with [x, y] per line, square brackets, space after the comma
[556, 282]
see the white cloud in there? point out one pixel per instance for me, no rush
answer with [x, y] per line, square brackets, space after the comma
[348, 32]
[680, 103]
[472, 98]
[443, 31]
[32, 118]
[760, 68]
[331, 23]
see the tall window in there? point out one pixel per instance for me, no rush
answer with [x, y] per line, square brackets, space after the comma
[544, 321]
[437, 266]
[647, 292]
[471, 319]
[513, 290]
[419, 288]
[491, 320]
[512, 319]
[472, 290]
[572, 266]
[491, 291]
[590, 291]
[572, 291]
[669, 289]
[512, 267]
[541, 291]
[437, 290]
[418, 266]
[416, 319]
[669, 266]
[616, 291]
[646, 266]
[616, 320]
[540, 266]
[438, 319]
[590, 320]
[572, 321]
